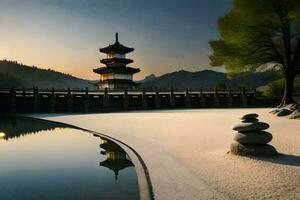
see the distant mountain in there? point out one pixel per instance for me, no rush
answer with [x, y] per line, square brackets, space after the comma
[207, 79]
[13, 74]
[149, 78]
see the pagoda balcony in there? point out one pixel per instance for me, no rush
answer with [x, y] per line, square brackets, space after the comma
[116, 61]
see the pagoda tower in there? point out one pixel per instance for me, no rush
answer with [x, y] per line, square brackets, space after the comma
[116, 157]
[116, 74]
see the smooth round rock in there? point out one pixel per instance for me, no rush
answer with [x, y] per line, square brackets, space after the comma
[258, 137]
[283, 112]
[251, 126]
[250, 120]
[253, 150]
[250, 116]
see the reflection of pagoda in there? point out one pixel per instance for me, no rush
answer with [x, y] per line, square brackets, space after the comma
[116, 75]
[116, 157]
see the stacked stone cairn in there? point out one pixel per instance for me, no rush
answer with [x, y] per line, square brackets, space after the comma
[251, 139]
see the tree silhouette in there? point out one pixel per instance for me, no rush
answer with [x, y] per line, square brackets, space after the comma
[260, 34]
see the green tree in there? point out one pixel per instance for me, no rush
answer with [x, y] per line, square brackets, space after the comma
[276, 88]
[221, 86]
[260, 34]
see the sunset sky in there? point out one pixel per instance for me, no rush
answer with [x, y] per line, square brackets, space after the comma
[65, 35]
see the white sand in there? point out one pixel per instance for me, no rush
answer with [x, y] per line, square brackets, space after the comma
[185, 152]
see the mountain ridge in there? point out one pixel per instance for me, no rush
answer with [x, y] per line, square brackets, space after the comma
[14, 74]
[208, 79]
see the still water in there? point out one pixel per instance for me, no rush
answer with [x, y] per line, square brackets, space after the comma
[41, 160]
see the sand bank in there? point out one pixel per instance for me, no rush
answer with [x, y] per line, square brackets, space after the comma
[186, 152]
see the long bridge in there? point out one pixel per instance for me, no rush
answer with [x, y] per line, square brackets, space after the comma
[36, 100]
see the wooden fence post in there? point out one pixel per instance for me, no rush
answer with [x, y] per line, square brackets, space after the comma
[172, 98]
[53, 101]
[187, 98]
[229, 98]
[36, 100]
[70, 100]
[86, 100]
[125, 99]
[144, 99]
[254, 92]
[24, 92]
[216, 98]
[13, 100]
[157, 99]
[201, 99]
[105, 99]
[244, 98]
[254, 99]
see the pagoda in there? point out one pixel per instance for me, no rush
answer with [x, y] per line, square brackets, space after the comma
[116, 74]
[116, 157]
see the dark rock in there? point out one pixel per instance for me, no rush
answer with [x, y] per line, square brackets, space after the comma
[248, 126]
[283, 112]
[292, 107]
[250, 120]
[258, 137]
[274, 111]
[295, 114]
[250, 116]
[253, 150]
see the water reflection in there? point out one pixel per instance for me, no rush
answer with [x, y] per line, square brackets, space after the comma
[116, 157]
[14, 127]
[61, 163]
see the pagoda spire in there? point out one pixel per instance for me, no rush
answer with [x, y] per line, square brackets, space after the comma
[117, 38]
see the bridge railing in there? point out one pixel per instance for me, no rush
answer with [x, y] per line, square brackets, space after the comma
[34, 100]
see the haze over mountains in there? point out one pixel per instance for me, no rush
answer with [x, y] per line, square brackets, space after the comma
[13, 74]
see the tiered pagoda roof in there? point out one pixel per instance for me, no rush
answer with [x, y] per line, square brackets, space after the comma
[122, 70]
[116, 165]
[116, 48]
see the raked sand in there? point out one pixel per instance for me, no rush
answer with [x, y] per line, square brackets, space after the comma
[186, 152]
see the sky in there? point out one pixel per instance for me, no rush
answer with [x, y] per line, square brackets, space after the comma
[65, 35]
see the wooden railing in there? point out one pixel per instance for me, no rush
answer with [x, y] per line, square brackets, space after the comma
[50, 101]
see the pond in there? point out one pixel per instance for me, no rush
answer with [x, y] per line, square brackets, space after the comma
[44, 160]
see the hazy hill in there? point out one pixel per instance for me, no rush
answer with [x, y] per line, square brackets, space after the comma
[19, 75]
[207, 79]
